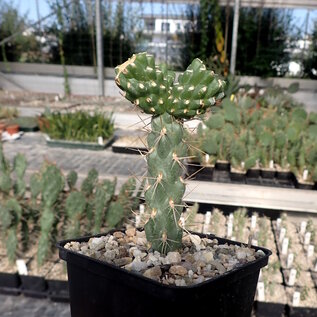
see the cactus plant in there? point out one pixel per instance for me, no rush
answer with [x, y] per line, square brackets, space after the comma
[71, 179]
[152, 88]
[52, 185]
[5, 179]
[75, 206]
[19, 167]
[10, 215]
[103, 196]
[124, 203]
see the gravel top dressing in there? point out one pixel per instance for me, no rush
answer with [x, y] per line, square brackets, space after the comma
[198, 260]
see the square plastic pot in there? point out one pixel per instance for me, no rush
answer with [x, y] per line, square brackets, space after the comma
[237, 176]
[301, 311]
[253, 173]
[58, 290]
[268, 173]
[34, 286]
[10, 283]
[102, 289]
[200, 172]
[223, 166]
[266, 309]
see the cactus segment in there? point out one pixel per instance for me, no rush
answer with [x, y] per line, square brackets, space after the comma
[52, 185]
[152, 88]
[10, 215]
[5, 180]
[19, 167]
[75, 206]
[103, 195]
[35, 186]
[71, 179]
[89, 182]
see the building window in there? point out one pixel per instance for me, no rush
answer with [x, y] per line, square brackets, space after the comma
[150, 26]
[178, 26]
[165, 27]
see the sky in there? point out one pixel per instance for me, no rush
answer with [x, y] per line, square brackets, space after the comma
[29, 7]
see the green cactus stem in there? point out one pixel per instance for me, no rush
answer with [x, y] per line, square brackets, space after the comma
[10, 215]
[5, 180]
[118, 209]
[153, 89]
[103, 196]
[19, 167]
[52, 185]
[75, 206]
[71, 179]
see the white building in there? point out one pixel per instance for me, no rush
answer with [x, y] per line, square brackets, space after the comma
[164, 37]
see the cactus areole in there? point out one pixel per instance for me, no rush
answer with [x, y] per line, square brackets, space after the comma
[153, 89]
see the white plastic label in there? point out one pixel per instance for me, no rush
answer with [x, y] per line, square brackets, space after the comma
[229, 229]
[310, 250]
[100, 140]
[206, 158]
[137, 221]
[278, 223]
[242, 164]
[307, 238]
[261, 293]
[22, 269]
[303, 226]
[290, 260]
[285, 246]
[271, 164]
[206, 229]
[230, 219]
[296, 299]
[141, 209]
[254, 242]
[253, 222]
[292, 277]
[207, 218]
[282, 235]
[305, 175]
[182, 220]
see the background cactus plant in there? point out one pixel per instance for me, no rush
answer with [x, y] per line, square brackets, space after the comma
[52, 185]
[153, 89]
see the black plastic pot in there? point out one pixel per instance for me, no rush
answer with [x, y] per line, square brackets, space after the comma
[268, 173]
[223, 166]
[200, 172]
[34, 286]
[10, 283]
[301, 311]
[101, 289]
[253, 173]
[237, 176]
[58, 290]
[302, 185]
[264, 309]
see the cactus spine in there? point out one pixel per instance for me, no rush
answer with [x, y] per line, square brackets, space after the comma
[152, 88]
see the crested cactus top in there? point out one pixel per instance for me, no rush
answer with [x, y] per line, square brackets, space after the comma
[153, 88]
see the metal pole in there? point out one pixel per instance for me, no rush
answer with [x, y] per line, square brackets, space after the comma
[234, 42]
[99, 41]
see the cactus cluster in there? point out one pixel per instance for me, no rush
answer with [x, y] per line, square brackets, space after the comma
[154, 90]
[49, 211]
[275, 135]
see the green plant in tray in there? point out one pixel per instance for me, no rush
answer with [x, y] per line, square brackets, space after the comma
[79, 126]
